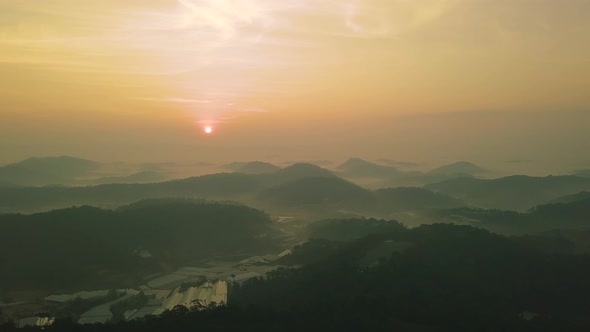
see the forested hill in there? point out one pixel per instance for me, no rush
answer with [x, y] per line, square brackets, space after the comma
[574, 214]
[432, 278]
[220, 186]
[517, 193]
[63, 248]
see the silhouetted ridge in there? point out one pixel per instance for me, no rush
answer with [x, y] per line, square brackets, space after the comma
[583, 195]
[408, 198]
[571, 215]
[318, 192]
[458, 168]
[47, 170]
[169, 202]
[517, 192]
[585, 173]
[61, 164]
[302, 170]
[360, 167]
[139, 177]
[253, 167]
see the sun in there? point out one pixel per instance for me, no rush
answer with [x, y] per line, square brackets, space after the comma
[208, 130]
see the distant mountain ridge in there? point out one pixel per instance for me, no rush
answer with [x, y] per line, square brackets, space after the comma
[302, 170]
[361, 168]
[582, 195]
[412, 198]
[458, 168]
[318, 193]
[252, 167]
[583, 173]
[46, 170]
[517, 192]
[571, 215]
[224, 186]
[297, 187]
[139, 177]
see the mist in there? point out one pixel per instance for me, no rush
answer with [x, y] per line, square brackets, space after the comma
[266, 165]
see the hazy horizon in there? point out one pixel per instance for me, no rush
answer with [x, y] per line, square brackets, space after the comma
[288, 165]
[502, 84]
[505, 142]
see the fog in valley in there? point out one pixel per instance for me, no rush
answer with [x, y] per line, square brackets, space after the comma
[260, 165]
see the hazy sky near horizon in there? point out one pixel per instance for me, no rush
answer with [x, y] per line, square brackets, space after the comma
[403, 79]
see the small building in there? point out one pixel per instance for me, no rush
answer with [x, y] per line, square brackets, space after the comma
[36, 321]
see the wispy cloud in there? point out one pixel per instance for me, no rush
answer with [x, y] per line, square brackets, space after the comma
[240, 51]
[177, 100]
[209, 111]
[208, 32]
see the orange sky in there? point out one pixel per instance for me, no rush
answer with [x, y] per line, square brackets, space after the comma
[112, 79]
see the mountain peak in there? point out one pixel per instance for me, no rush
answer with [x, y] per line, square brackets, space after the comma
[459, 167]
[253, 167]
[360, 167]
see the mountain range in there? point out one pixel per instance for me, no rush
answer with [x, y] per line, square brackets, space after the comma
[518, 193]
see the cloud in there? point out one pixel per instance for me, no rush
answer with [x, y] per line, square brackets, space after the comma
[177, 100]
[224, 15]
[241, 51]
[208, 32]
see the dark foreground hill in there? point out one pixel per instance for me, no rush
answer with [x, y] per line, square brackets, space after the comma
[431, 278]
[87, 246]
[351, 229]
